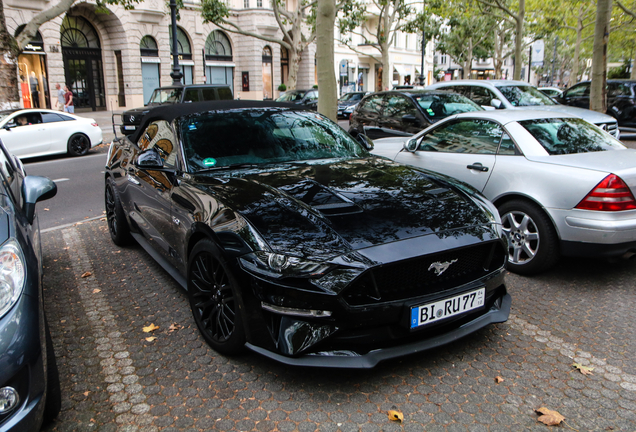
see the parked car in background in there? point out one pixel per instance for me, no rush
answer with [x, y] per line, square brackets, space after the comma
[621, 99]
[404, 113]
[308, 98]
[292, 240]
[174, 94]
[40, 132]
[507, 94]
[348, 102]
[552, 92]
[29, 381]
[562, 185]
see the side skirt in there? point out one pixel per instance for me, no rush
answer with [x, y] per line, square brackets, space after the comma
[164, 263]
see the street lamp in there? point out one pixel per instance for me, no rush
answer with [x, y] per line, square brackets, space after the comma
[176, 70]
[423, 54]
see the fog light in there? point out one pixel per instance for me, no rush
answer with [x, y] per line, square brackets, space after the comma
[9, 399]
[295, 311]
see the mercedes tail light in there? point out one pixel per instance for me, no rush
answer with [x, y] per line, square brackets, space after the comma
[611, 194]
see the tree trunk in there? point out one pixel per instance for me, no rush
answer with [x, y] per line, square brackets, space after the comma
[574, 77]
[9, 96]
[325, 23]
[294, 65]
[598, 88]
[387, 73]
[498, 51]
[632, 75]
[519, 39]
[467, 64]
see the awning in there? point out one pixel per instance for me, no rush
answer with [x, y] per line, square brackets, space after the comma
[364, 66]
[219, 63]
[150, 60]
[400, 70]
[186, 62]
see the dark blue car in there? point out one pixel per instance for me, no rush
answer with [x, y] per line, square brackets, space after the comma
[29, 382]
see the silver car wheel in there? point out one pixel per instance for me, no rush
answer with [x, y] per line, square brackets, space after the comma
[523, 237]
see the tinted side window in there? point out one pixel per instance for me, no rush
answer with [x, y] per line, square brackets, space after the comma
[11, 178]
[372, 105]
[464, 136]
[399, 106]
[51, 118]
[209, 94]
[578, 91]
[507, 145]
[225, 93]
[618, 89]
[191, 95]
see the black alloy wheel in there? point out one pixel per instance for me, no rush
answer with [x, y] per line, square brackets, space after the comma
[215, 305]
[78, 144]
[532, 240]
[117, 224]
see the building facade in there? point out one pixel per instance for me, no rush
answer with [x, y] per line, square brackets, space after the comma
[113, 61]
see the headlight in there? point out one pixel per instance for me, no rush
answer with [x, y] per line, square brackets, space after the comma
[12, 275]
[280, 266]
[350, 109]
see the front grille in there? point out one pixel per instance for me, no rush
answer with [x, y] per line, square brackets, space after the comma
[417, 277]
[611, 127]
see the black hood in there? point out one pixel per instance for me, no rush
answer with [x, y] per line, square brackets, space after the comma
[328, 208]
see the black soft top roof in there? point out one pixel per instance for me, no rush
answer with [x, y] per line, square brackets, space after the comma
[173, 111]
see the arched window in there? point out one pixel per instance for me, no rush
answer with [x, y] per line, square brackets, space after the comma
[185, 54]
[77, 32]
[148, 47]
[284, 65]
[268, 82]
[218, 47]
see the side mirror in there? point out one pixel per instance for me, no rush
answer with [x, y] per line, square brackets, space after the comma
[34, 189]
[411, 145]
[409, 118]
[365, 141]
[149, 159]
[496, 103]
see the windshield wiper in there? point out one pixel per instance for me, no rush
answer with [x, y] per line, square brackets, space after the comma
[225, 167]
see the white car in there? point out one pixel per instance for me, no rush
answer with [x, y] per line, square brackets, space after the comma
[562, 185]
[38, 132]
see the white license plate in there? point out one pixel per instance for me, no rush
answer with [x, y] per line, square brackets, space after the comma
[130, 127]
[433, 312]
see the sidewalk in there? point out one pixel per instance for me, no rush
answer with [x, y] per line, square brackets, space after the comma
[104, 120]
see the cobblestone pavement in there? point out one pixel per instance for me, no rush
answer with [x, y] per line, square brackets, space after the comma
[115, 380]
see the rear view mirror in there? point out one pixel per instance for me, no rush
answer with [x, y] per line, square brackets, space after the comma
[34, 189]
[365, 141]
[496, 103]
[411, 145]
[149, 159]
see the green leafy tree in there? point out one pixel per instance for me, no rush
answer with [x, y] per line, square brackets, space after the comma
[297, 28]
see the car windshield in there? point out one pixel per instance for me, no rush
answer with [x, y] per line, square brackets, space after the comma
[351, 97]
[438, 106]
[525, 96]
[215, 140]
[166, 96]
[291, 96]
[561, 136]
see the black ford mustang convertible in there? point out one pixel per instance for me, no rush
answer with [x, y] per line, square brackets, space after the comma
[293, 241]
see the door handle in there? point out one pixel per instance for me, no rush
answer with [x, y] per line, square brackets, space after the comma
[477, 167]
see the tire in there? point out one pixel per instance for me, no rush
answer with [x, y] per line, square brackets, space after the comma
[214, 300]
[53, 390]
[532, 241]
[117, 224]
[78, 144]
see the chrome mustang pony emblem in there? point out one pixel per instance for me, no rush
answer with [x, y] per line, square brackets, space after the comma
[440, 267]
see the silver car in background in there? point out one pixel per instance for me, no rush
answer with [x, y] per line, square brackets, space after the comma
[562, 185]
[516, 95]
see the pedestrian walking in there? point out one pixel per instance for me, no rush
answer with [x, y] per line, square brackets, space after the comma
[68, 100]
[59, 104]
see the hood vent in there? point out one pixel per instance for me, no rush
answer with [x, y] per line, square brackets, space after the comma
[321, 198]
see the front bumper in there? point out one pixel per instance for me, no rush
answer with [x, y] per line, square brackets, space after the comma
[497, 313]
[21, 365]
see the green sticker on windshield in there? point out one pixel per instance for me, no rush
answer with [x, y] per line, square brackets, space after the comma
[430, 111]
[210, 162]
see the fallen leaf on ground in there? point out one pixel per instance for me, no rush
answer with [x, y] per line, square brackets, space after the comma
[499, 379]
[86, 274]
[585, 370]
[151, 338]
[173, 327]
[86, 393]
[549, 417]
[45, 209]
[96, 290]
[150, 328]
[396, 416]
